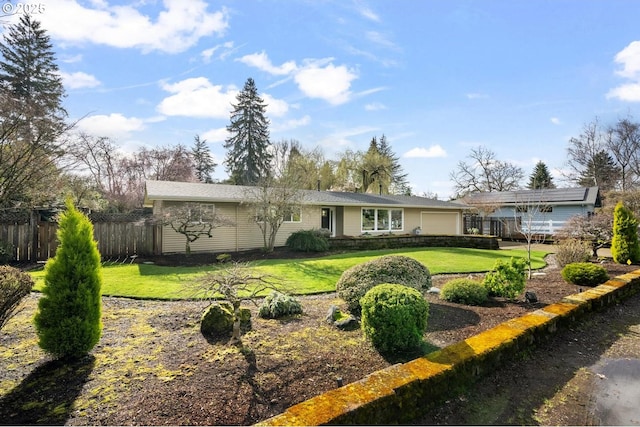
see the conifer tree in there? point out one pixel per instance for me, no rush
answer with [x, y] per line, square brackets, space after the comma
[600, 171]
[68, 320]
[248, 158]
[399, 183]
[624, 245]
[202, 160]
[540, 178]
[32, 118]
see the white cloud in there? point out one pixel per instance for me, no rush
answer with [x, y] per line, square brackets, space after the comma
[224, 50]
[197, 97]
[366, 11]
[70, 59]
[477, 96]
[275, 107]
[330, 83]
[628, 92]
[375, 106]
[215, 135]
[555, 121]
[180, 25]
[290, 124]
[380, 39]
[629, 58]
[342, 138]
[431, 152]
[114, 125]
[78, 80]
[317, 78]
[262, 62]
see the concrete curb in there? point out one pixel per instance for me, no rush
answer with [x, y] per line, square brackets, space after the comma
[401, 393]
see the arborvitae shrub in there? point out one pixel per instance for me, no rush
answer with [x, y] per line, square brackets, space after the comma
[308, 241]
[68, 319]
[464, 291]
[394, 317]
[624, 244]
[507, 278]
[572, 250]
[277, 304]
[584, 274]
[403, 270]
[14, 286]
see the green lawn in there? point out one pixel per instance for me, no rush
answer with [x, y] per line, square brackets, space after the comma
[303, 276]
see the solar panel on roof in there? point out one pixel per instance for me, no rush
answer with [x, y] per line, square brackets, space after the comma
[546, 195]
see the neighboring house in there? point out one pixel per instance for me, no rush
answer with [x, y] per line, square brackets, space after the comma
[543, 211]
[342, 214]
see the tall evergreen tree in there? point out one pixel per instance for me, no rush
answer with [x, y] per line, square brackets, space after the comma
[68, 320]
[399, 183]
[540, 178]
[32, 118]
[248, 157]
[202, 160]
[29, 74]
[600, 171]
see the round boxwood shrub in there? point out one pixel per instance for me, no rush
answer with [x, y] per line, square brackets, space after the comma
[584, 274]
[308, 241]
[464, 291]
[403, 270]
[394, 317]
[507, 279]
[277, 304]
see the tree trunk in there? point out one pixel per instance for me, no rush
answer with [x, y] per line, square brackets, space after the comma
[235, 334]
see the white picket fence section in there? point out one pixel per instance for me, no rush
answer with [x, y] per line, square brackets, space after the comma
[546, 227]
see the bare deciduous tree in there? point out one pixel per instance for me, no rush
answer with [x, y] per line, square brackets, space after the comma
[485, 173]
[596, 229]
[193, 220]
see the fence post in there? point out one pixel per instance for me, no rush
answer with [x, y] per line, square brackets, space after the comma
[32, 250]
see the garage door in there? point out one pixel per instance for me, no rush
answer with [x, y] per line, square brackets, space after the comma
[440, 223]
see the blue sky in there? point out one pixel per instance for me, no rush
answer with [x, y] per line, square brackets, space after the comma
[438, 78]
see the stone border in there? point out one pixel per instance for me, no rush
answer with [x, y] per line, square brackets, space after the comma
[403, 392]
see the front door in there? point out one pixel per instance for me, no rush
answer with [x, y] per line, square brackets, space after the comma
[326, 221]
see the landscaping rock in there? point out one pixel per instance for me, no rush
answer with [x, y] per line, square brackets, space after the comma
[217, 319]
[433, 290]
[338, 319]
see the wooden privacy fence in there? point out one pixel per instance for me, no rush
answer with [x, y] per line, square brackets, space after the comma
[36, 240]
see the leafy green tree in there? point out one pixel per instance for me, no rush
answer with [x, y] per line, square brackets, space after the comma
[32, 119]
[376, 170]
[68, 320]
[248, 157]
[540, 178]
[624, 245]
[202, 160]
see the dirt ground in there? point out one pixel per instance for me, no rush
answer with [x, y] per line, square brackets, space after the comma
[153, 367]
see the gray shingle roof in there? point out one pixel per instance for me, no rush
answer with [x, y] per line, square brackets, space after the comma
[198, 192]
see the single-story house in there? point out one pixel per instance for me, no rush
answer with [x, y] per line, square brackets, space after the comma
[341, 213]
[541, 211]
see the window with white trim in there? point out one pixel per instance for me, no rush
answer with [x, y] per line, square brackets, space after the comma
[295, 215]
[373, 219]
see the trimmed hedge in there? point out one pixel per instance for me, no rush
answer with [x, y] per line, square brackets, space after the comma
[357, 280]
[584, 274]
[394, 317]
[464, 291]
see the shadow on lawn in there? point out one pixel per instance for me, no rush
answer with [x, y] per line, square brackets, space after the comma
[48, 394]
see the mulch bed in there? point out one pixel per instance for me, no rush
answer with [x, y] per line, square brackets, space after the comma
[168, 374]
